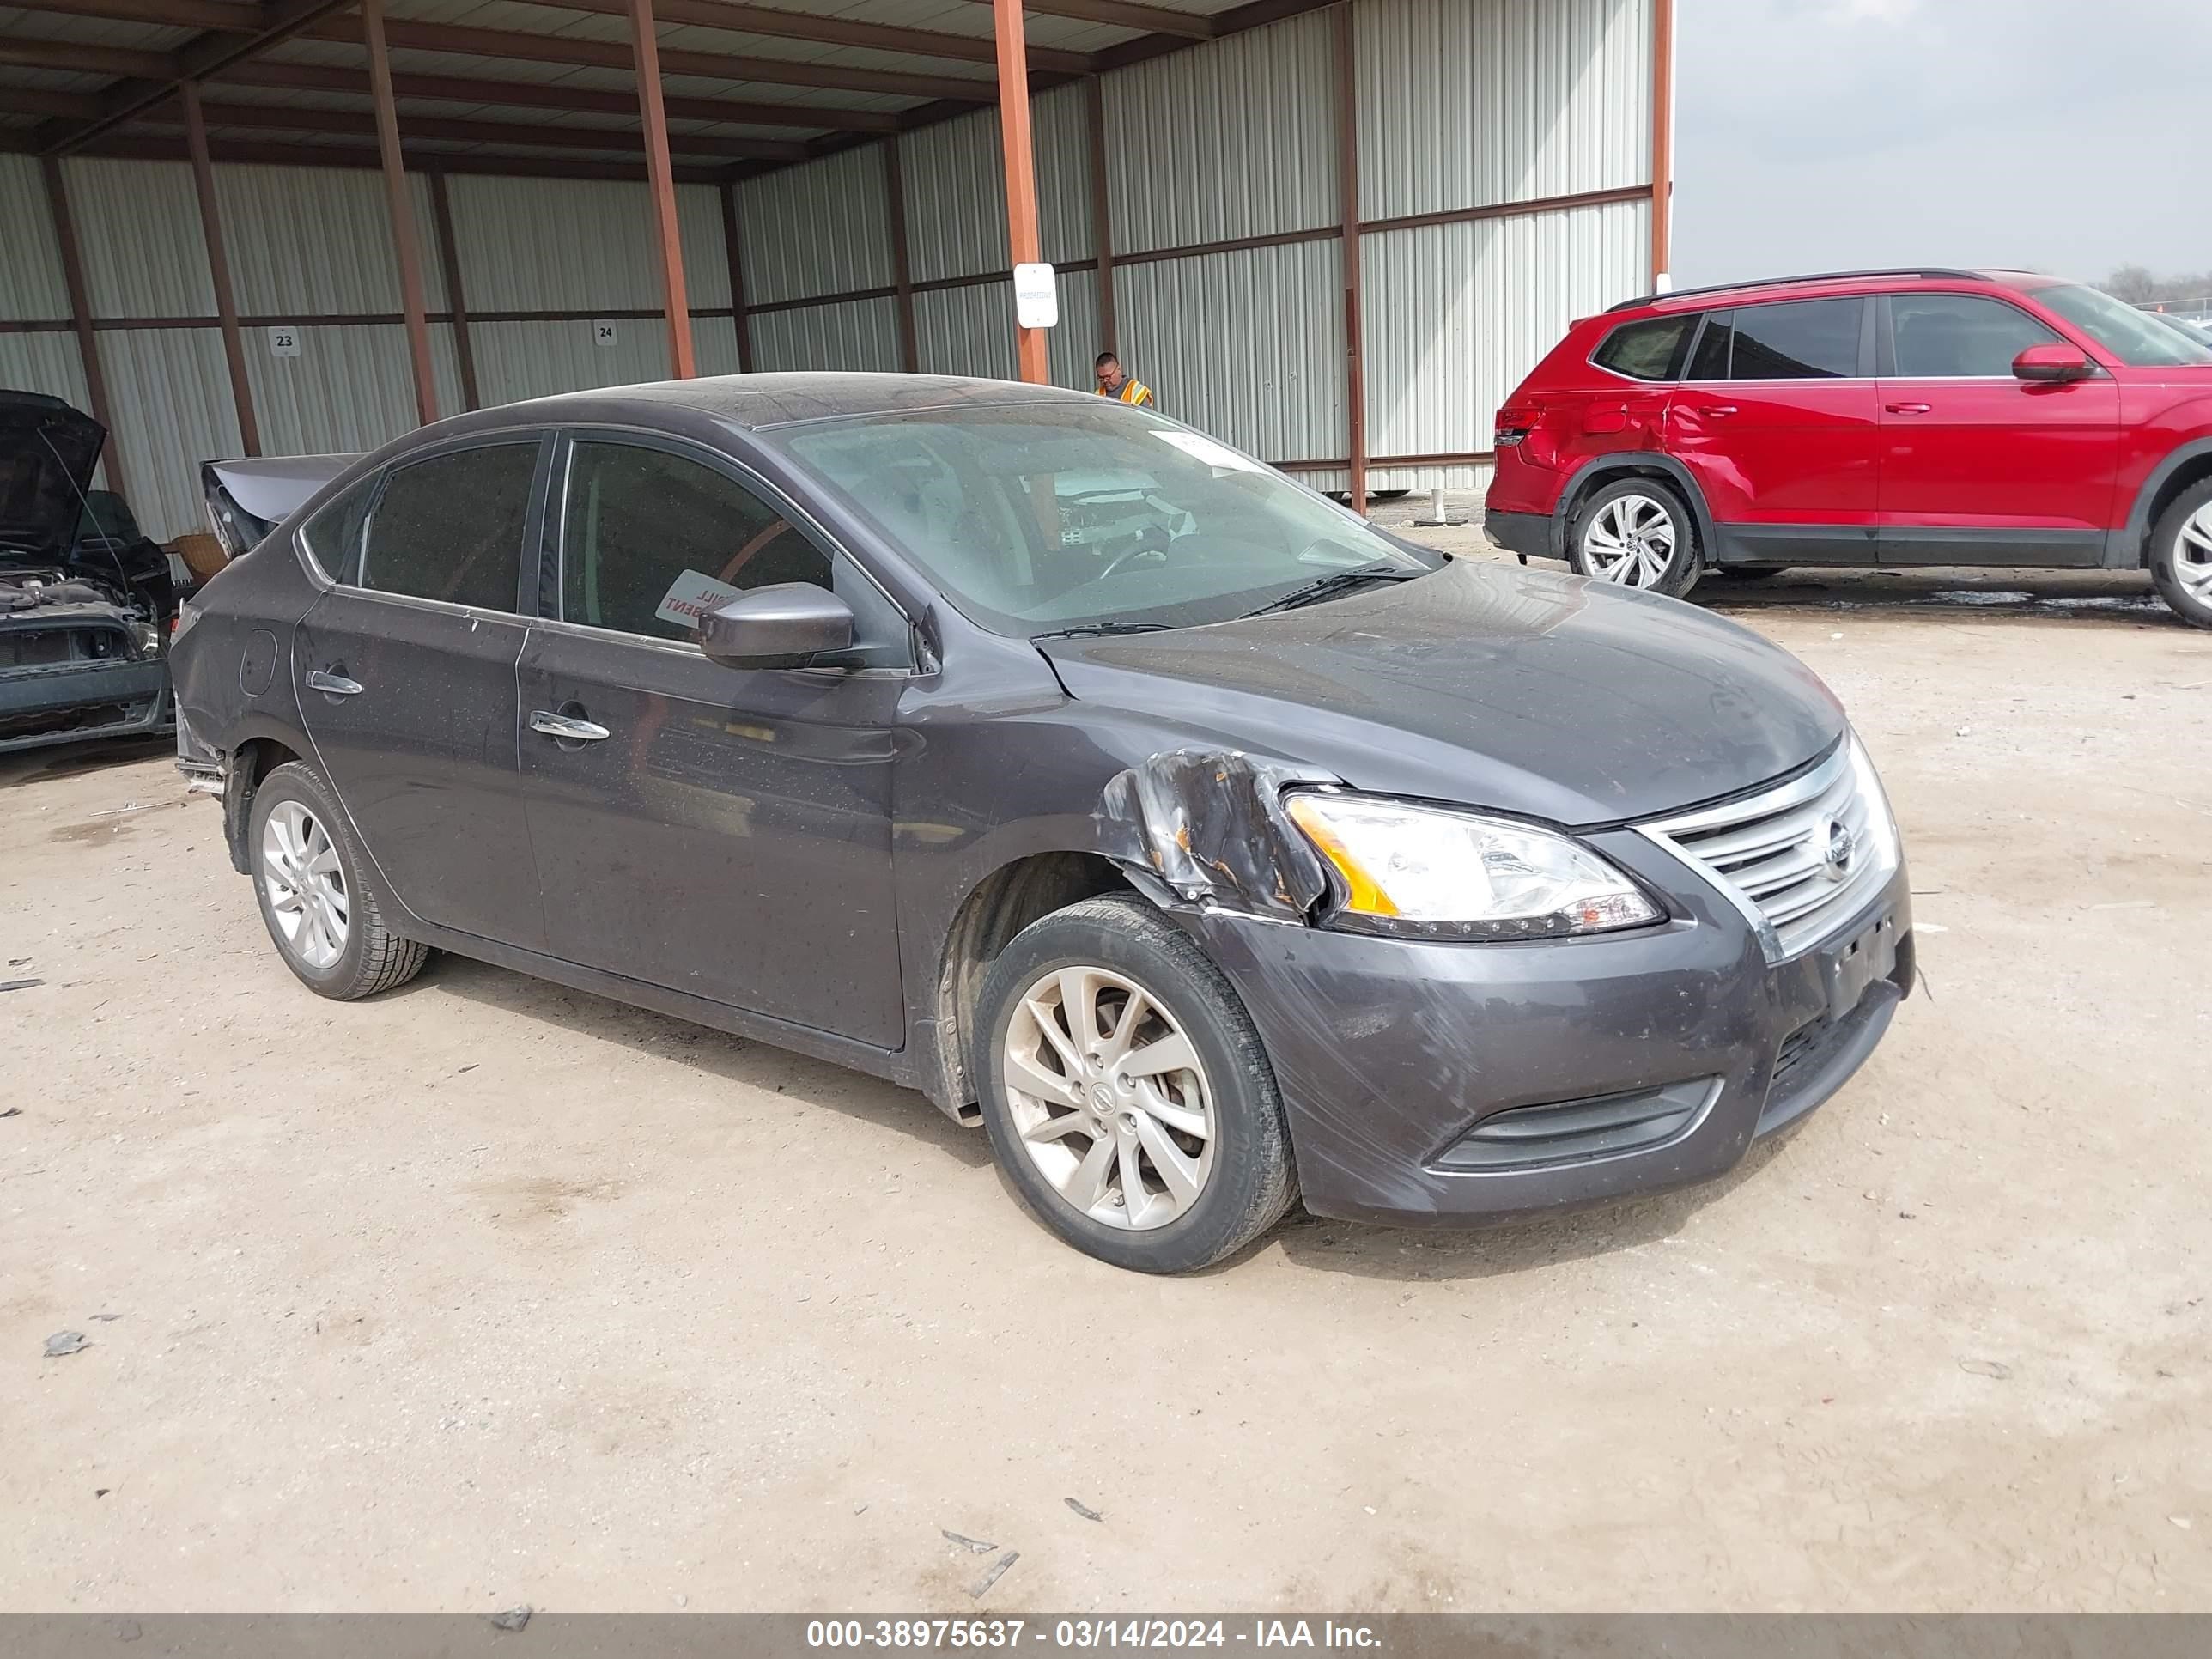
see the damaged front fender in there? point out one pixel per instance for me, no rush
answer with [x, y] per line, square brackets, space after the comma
[1206, 827]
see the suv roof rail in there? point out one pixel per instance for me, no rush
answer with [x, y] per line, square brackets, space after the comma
[1809, 276]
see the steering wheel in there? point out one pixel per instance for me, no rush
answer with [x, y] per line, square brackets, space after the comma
[1143, 550]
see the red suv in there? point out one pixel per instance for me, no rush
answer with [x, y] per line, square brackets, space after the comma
[1895, 417]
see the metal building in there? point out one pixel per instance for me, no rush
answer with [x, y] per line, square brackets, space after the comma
[1334, 234]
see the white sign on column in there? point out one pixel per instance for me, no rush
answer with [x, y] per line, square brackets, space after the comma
[1037, 296]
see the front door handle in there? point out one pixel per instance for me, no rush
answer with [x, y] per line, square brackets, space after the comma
[1908, 409]
[332, 685]
[566, 726]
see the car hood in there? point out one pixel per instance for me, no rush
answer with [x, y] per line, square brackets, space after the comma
[1490, 685]
[47, 454]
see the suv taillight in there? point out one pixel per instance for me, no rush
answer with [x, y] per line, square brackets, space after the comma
[1514, 422]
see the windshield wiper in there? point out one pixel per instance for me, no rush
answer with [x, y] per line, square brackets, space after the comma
[1083, 630]
[1336, 582]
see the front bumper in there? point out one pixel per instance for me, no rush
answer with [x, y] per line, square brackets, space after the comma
[68, 702]
[1650, 1059]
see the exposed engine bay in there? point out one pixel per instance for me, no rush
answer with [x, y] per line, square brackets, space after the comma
[86, 600]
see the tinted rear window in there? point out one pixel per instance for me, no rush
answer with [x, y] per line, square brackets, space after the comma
[1809, 340]
[1649, 350]
[333, 535]
[450, 527]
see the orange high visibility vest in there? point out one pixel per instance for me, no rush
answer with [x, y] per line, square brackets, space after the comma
[1133, 391]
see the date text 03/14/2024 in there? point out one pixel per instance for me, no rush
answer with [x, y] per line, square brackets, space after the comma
[1088, 1633]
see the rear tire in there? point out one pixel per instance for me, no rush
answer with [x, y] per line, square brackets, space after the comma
[2181, 555]
[1636, 532]
[1070, 1117]
[319, 894]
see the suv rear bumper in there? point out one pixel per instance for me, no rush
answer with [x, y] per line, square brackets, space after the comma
[1528, 534]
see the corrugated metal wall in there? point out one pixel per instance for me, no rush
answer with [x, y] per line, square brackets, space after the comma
[31, 283]
[955, 189]
[823, 227]
[1452, 316]
[1248, 345]
[1230, 139]
[1512, 99]
[1461, 104]
[859, 334]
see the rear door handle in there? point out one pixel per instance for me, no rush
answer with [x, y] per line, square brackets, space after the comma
[332, 685]
[1908, 409]
[1717, 411]
[566, 726]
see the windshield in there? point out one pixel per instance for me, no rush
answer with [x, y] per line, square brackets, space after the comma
[2136, 337]
[1034, 519]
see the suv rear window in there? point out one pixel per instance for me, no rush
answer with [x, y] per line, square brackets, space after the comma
[1649, 350]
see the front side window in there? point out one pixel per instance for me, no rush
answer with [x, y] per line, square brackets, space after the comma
[333, 535]
[1959, 335]
[450, 527]
[1035, 518]
[2135, 338]
[1647, 351]
[651, 540]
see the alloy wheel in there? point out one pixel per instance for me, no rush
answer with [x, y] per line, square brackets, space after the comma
[1630, 540]
[304, 884]
[2193, 555]
[1110, 1098]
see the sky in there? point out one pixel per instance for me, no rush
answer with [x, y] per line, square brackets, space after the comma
[2071, 136]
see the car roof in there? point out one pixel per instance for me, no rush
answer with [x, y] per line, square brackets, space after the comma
[760, 401]
[1824, 284]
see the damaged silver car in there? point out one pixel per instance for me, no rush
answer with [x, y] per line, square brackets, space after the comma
[86, 600]
[1209, 847]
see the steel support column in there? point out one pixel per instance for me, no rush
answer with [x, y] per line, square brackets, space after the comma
[1663, 145]
[645, 51]
[1020, 161]
[1102, 216]
[733, 251]
[1347, 176]
[80, 301]
[404, 243]
[449, 263]
[226, 303]
[902, 274]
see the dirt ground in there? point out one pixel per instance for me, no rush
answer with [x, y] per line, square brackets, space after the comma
[488, 1292]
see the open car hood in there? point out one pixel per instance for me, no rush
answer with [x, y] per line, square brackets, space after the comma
[47, 454]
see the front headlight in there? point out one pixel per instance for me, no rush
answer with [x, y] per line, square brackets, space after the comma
[1430, 873]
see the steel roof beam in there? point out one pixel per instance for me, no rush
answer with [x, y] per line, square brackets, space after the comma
[250, 151]
[520, 135]
[532, 95]
[615, 54]
[234, 16]
[203, 56]
[1127, 15]
[780, 24]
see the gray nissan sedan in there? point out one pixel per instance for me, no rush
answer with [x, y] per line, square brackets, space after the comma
[1211, 849]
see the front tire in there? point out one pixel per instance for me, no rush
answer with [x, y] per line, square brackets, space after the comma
[2181, 555]
[1126, 1095]
[1637, 532]
[320, 898]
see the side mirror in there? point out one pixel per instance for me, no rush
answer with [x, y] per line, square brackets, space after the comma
[783, 626]
[2048, 363]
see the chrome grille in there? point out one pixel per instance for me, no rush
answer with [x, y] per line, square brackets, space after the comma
[1771, 854]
